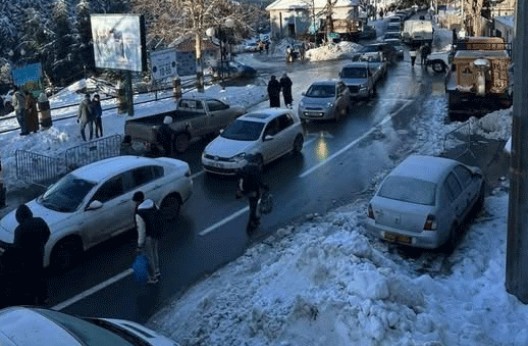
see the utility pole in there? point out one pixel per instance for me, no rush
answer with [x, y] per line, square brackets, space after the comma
[517, 244]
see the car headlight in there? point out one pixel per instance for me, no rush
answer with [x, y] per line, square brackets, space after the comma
[238, 157]
[330, 104]
[301, 104]
[363, 86]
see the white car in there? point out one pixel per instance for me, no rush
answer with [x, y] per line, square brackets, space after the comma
[425, 202]
[94, 203]
[267, 133]
[31, 326]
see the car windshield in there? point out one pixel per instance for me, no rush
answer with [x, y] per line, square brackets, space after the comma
[408, 189]
[354, 72]
[368, 49]
[392, 35]
[243, 130]
[67, 194]
[321, 91]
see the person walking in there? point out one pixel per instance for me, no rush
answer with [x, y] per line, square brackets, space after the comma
[166, 136]
[84, 117]
[412, 54]
[425, 50]
[98, 116]
[250, 185]
[148, 225]
[286, 87]
[31, 236]
[32, 124]
[267, 47]
[274, 89]
[19, 105]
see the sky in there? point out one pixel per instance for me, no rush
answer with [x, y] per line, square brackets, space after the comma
[325, 281]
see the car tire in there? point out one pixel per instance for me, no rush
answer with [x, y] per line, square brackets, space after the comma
[181, 142]
[170, 207]
[66, 254]
[298, 144]
[438, 66]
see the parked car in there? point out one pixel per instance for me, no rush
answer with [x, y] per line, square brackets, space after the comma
[368, 33]
[329, 99]
[425, 201]
[391, 35]
[94, 203]
[250, 47]
[360, 79]
[268, 133]
[377, 63]
[32, 326]
[234, 69]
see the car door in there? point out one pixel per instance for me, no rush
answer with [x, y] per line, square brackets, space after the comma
[149, 179]
[271, 147]
[470, 184]
[457, 198]
[286, 133]
[114, 214]
[219, 115]
[197, 118]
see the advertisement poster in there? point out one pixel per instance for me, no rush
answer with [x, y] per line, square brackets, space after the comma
[163, 64]
[28, 77]
[118, 41]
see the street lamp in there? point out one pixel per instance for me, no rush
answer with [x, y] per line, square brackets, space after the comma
[220, 34]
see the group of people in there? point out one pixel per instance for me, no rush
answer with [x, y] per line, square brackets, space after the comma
[424, 50]
[276, 86]
[90, 115]
[26, 111]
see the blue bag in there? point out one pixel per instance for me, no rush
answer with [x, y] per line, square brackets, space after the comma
[140, 268]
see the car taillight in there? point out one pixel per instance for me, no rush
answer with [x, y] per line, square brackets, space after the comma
[370, 212]
[430, 223]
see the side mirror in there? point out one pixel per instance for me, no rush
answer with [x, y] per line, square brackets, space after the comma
[94, 205]
[268, 138]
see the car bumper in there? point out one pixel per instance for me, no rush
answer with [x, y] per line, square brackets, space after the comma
[228, 168]
[357, 92]
[313, 113]
[424, 239]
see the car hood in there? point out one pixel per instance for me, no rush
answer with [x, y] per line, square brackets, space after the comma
[140, 331]
[224, 147]
[9, 222]
[316, 101]
[354, 81]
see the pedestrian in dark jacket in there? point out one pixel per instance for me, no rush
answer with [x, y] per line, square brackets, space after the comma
[250, 185]
[148, 225]
[32, 124]
[19, 106]
[274, 89]
[31, 236]
[286, 86]
[425, 50]
[166, 136]
[85, 117]
[98, 115]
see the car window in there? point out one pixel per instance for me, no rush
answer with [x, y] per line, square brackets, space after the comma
[272, 128]
[243, 130]
[463, 174]
[321, 91]
[142, 175]
[408, 189]
[215, 105]
[67, 194]
[285, 121]
[453, 185]
[354, 72]
[110, 189]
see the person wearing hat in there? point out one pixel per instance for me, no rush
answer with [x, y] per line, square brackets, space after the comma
[166, 136]
[148, 225]
[84, 117]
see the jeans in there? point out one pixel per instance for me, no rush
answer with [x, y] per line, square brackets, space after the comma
[21, 118]
[151, 251]
[98, 127]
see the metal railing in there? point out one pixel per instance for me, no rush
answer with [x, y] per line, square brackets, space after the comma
[42, 170]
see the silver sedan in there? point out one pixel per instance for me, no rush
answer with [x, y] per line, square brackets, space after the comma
[425, 201]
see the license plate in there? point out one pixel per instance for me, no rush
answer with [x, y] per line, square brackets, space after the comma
[314, 114]
[397, 238]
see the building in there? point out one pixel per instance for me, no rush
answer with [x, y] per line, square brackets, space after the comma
[296, 18]
[504, 26]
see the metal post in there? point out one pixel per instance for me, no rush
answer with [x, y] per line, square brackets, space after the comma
[221, 57]
[517, 243]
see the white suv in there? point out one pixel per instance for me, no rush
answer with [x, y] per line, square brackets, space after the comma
[268, 134]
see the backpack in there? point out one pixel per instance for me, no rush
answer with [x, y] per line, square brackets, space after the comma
[140, 268]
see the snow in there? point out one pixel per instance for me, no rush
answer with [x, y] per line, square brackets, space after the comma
[325, 281]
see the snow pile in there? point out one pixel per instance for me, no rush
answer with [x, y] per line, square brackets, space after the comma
[333, 51]
[325, 283]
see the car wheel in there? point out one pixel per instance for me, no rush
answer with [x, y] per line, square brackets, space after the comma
[170, 207]
[181, 142]
[298, 144]
[438, 66]
[65, 254]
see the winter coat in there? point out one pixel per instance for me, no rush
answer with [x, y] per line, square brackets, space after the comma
[85, 111]
[32, 124]
[286, 86]
[165, 137]
[97, 110]
[148, 221]
[31, 236]
[250, 181]
[274, 89]
[18, 101]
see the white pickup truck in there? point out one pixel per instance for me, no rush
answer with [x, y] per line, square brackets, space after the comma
[417, 32]
[194, 117]
[361, 77]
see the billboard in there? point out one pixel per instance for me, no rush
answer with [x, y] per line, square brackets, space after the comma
[119, 41]
[163, 64]
[28, 77]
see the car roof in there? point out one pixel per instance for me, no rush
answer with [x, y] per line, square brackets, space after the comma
[99, 170]
[264, 115]
[424, 167]
[362, 64]
[327, 82]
